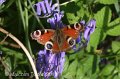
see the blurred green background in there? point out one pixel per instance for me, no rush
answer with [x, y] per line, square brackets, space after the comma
[99, 60]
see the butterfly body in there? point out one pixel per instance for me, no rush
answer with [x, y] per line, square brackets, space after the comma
[58, 40]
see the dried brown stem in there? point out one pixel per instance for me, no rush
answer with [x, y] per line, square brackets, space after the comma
[10, 44]
[23, 48]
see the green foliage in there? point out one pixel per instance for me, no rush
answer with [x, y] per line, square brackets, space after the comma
[116, 47]
[107, 1]
[103, 17]
[17, 17]
[107, 70]
[113, 28]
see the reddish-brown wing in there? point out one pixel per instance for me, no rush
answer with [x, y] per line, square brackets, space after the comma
[73, 30]
[57, 49]
[71, 33]
[42, 36]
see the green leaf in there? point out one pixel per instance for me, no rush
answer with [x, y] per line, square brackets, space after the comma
[107, 70]
[113, 28]
[11, 52]
[87, 63]
[116, 5]
[68, 76]
[66, 64]
[73, 56]
[72, 70]
[116, 47]
[7, 64]
[107, 1]
[81, 12]
[103, 17]
[97, 36]
[72, 18]
[80, 72]
[78, 54]
[72, 67]
[71, 10]
[90, 66]
[116, 77]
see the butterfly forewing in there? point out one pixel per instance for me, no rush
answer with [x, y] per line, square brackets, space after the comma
[73, 30]
[43, 36]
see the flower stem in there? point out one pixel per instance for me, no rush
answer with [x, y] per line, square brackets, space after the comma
[34, 13]
[67, 2]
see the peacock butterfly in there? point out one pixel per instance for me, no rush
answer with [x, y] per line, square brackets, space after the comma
[58, 40]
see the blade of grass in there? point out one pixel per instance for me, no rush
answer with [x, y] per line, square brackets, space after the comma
[24, 17]
[34, 13]
[117, 7]
[26, 29]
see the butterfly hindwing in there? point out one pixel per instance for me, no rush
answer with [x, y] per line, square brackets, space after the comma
[56, 49]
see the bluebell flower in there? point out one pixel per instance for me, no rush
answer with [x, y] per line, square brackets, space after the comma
[2, 1]
[79, 38]
[50, 64]
[45, 8]
[89, 29]
[56, 20]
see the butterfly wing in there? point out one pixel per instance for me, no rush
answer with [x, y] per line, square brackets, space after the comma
[71, 33]
[42, 36]
[73, 30]
[57, 49]
[68, 34]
